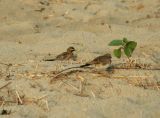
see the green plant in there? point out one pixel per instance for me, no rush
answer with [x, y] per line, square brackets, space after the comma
[125, 45]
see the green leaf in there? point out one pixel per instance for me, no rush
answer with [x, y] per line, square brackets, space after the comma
[129, 48]
[117, 52]
[117, 42]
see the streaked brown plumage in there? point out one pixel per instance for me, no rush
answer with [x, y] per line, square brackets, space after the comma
[100, 60]
[65, 55]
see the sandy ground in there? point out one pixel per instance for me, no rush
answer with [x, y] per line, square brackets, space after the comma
[30, 30]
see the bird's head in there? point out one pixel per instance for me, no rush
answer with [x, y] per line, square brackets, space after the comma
[71, 49]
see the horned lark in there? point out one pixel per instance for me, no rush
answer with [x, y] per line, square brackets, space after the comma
[100, 60]
[65, 55]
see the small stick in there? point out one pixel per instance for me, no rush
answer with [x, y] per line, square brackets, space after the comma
[36, 67]
[81, 87]
[47, 105]
[5, 85]
[70, 85]
[3, 102]
[93, 94]
[42, 97]
[19, 98]
[60, 84]
[109, 26]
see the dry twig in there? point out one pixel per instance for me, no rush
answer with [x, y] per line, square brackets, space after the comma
[19, 98]
[5, 85]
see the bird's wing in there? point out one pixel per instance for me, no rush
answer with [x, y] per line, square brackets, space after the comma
[69, 56]
[96, 60]
[62, 56]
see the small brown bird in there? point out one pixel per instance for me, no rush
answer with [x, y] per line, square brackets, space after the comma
[100, 60]
[65, 55]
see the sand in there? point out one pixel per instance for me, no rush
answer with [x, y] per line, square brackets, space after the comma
[31, 30]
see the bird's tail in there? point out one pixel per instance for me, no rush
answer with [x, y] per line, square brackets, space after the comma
[49, 59]
[87, 64]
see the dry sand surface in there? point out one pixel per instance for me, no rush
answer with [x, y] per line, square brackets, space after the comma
[31, 30]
